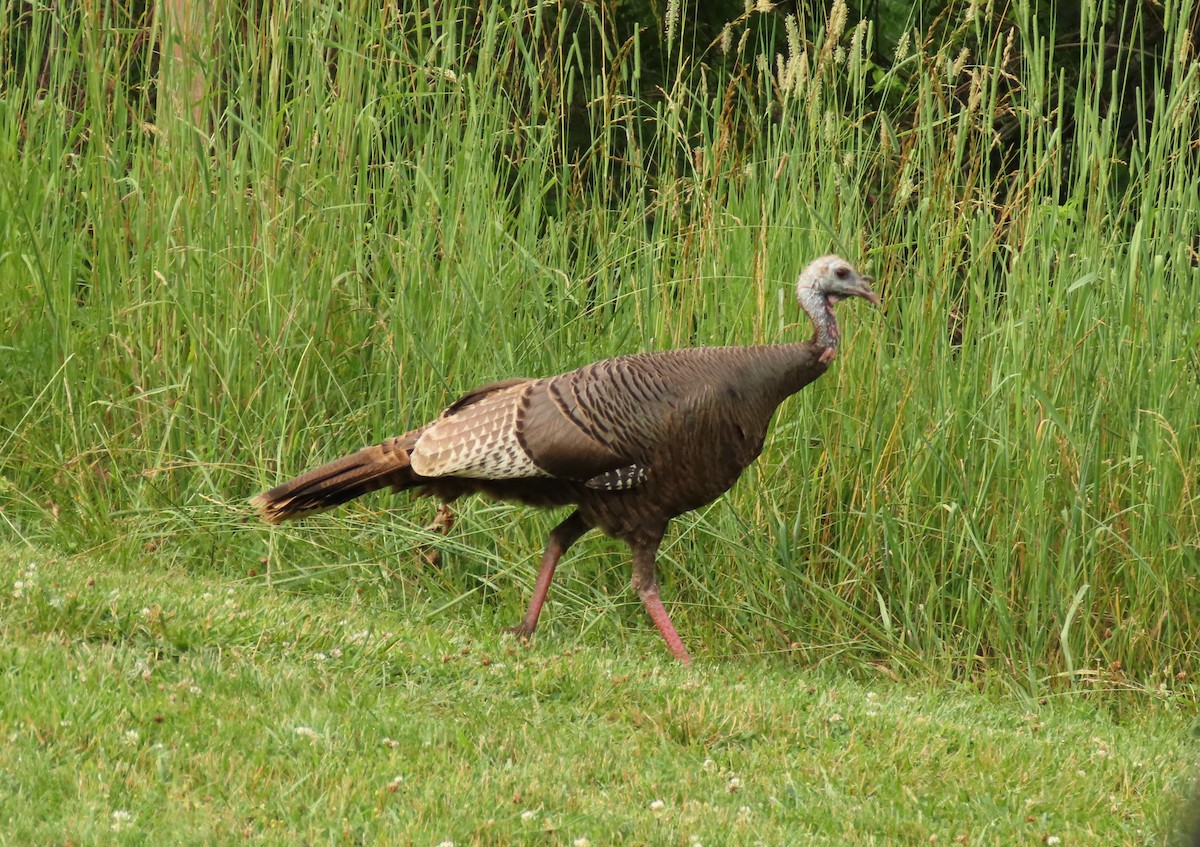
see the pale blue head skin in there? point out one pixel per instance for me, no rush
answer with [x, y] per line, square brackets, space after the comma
[828, 280]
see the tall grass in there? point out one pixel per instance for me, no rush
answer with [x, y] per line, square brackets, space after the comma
[998, 475]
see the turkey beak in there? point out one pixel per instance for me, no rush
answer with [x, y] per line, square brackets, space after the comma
[864, 290]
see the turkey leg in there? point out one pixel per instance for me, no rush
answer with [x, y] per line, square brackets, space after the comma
[646, 585]
[560, 540]
[443, 522]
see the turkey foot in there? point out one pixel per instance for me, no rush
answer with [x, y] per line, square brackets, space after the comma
[520, 632]
[442, 523]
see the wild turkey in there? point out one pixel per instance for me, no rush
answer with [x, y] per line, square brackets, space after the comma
[631, 442]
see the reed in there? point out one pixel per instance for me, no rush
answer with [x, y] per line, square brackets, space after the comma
[997, 478]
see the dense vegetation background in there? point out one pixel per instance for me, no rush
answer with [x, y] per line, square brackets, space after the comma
[373, 207]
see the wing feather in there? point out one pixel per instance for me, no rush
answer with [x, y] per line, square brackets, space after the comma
[476, 437]
[601, 424]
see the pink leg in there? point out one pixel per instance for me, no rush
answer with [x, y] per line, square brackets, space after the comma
[646, 585]
[658, 614]
[561, 538]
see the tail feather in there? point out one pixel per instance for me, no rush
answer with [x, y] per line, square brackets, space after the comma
[339, 481]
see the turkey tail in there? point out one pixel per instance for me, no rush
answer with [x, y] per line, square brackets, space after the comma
[369, 469]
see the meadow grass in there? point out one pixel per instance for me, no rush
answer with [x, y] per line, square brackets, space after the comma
[995, 482]
[148, 705]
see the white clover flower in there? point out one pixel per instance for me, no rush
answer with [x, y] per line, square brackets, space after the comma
[734, 784]
[657, 806]
[528, 815]
[120, 820]
[306, 732]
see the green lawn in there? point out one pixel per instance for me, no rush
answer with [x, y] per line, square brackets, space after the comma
[150, 705]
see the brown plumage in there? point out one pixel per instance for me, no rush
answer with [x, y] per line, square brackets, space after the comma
[631, 442]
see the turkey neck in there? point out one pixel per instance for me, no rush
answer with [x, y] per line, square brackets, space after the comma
[820, 312]
[771, 373]
[796, 365]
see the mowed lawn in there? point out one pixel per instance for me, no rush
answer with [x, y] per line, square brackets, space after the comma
[150, 704]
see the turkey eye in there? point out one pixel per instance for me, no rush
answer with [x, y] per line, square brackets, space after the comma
[842, 273]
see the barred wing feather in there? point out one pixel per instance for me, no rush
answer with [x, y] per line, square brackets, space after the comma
[599, 424]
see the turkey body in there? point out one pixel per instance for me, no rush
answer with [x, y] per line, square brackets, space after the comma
[631, 442]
